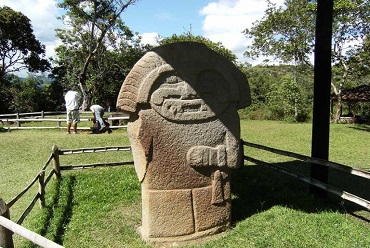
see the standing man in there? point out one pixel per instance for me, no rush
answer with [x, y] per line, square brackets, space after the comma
[73, 116]
[98, 112]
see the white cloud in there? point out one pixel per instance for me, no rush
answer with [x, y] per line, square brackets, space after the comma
[43, 15]
[225, 21]
[149, 38]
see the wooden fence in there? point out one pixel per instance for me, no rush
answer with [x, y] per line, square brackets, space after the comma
[113, 118]
[343, 194]
[41, 114]
[8, 227]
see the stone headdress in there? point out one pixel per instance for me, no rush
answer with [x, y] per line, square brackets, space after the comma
[179, 57]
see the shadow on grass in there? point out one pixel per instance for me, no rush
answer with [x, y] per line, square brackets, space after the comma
[59, 211]
[362, 127]
[257, 188]
[65, 216]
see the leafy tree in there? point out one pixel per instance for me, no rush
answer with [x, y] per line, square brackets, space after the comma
[114, 68]
[350, 28]
[272, 92]
[106, 72]
[279, 35]
[19, 48]
[53, 96]
[216, 46]
[5, 94]
[359, 60]
[282, 100]
[26, 95]
[285, 33]
[35, 93]
[92, 24]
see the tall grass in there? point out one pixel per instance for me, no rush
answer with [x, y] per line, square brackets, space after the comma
[101, 207]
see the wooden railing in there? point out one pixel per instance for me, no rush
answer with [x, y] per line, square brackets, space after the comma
[343, 194]
[19, 118]
[7, 226]
[42, 114]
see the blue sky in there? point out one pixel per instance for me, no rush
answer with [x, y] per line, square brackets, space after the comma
[166, 17]
[219, 20]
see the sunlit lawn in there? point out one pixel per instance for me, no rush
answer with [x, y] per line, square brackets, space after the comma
[101, 207]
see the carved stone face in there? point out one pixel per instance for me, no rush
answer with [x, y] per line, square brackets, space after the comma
[200, 97]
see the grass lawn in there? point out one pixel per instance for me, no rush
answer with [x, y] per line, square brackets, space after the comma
[102, 207]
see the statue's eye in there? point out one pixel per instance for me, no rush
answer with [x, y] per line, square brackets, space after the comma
[172, 80]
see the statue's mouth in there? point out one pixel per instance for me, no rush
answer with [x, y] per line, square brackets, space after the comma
[177, 106]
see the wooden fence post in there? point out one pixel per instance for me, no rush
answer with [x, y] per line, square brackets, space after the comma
[18, 122]
[6, 236]
[58, 123]
[42, 188]
[55, 152]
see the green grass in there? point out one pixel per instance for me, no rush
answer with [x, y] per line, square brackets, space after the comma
[24, 152]
[102, 207]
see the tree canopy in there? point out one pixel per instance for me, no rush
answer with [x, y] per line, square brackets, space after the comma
[287, 33]
[215, 46]
[19, 48]
[92, 25]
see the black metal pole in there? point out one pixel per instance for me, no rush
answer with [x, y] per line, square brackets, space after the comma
[322, 80]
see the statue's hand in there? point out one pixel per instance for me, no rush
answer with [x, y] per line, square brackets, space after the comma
[200, 156]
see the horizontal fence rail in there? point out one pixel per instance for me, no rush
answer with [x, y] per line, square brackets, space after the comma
[353, 171]
[43, 117]
[343, 194]
[41, 114]
[97, 149]
[24, 232]
[89, 166]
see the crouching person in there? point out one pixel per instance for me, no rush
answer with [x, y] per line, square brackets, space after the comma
[98, 112]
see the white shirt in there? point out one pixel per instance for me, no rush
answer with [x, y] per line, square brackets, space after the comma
[96, 108]
[71, 99]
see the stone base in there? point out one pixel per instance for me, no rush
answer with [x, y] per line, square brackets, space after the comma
[186, 239]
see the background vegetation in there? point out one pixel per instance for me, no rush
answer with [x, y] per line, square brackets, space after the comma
[89, 208]
[98, 50]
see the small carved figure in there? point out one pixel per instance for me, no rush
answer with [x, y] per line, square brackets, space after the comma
[184, 132]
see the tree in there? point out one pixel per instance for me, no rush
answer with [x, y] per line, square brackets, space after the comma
[275, 95]
[25, 95]
[359, 60]
[350, 28]
[286, 33]
[278, 35]
[5, 94]
[215, 46]
[19, 48]
[91, 23]
[107, 70]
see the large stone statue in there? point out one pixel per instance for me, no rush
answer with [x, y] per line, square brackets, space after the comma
[184, 132]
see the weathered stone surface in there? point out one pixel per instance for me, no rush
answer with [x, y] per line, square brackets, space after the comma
[184, 132]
